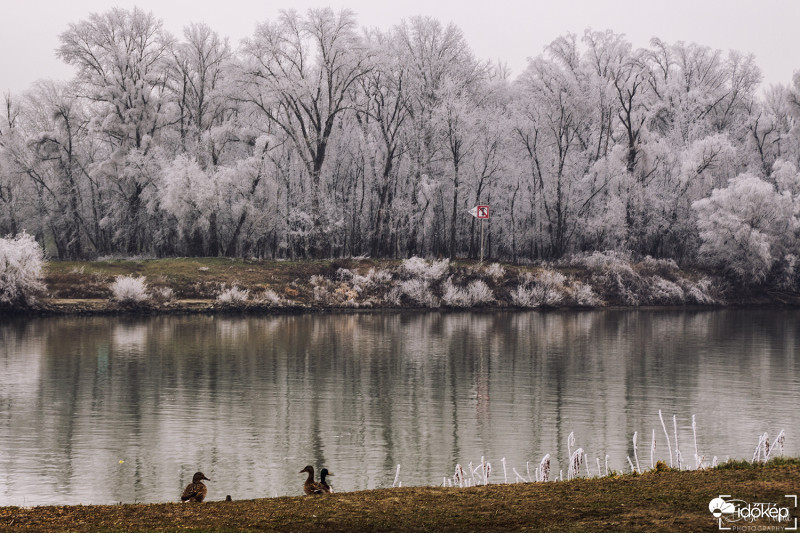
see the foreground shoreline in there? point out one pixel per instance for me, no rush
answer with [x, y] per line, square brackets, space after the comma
[221, 285]
[657, 500]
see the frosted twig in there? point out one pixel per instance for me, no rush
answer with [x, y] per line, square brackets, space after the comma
[779, 440]
[519, 477]
[528, 469]
[633, 470]
[544, 468]
[678, 457]
[575, 462]
[570, 443]
[697, 460]
[667, 437]
[606, 464]
[396, 476]
[653, 451]
[635, 451]
[505, 474]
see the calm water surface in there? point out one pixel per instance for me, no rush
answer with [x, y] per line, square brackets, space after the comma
[106, 410]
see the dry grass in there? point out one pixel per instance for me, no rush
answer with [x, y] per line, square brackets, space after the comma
[657, 501]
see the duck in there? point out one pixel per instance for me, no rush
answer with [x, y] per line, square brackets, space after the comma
[310, 486]
[195, 491]
[324, 484]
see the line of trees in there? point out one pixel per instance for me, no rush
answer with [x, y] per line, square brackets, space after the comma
[317, 138]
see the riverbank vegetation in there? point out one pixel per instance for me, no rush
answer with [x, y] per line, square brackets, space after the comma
[661, 500]
[222, 284]
[314, 139]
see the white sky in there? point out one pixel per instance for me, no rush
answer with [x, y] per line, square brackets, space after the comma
[509, 30]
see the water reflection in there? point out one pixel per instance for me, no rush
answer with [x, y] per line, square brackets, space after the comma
[103, 410]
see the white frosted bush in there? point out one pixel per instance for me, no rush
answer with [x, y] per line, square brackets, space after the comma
[21, 261]
[344, 273]
[427, 270]
[612, 272]
[455, 296]
[582, 294]
[700, 292]
[495, 271]
[163, 294]
[419, 292]
[479, 292]
[129, 289]
[269, 297]
[546, 288]
[318, 281]
[233, 295]
[663, 291]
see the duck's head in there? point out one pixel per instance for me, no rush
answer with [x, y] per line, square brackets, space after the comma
[198, 477]
[324, 472]
[309, 469]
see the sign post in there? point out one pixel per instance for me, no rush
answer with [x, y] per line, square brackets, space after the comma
[480, 212]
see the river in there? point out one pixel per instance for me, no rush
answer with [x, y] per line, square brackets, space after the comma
[98, 410]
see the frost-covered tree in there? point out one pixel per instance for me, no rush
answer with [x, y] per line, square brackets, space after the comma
[299, 71]
[747, 228]
[21, 261]
[122, 57]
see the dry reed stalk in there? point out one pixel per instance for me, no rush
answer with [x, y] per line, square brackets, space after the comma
[667, 437]
[575, 462]
[396, 476]
[544, 468]
[697, 459]
[678, 457]
[653, 451]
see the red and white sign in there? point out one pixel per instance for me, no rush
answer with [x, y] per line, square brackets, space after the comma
[480, 211]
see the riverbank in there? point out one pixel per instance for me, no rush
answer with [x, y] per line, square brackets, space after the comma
[218, 285]
[655, 501]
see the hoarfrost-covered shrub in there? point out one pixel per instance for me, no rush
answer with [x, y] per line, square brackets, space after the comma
[546, 288]
[665, 292]
[613, 275]
[129, 289]
[427, 270]
[665, 268]
[454, 296]
[416, 290]
[582, 294]
[232, 295]
[372, 278]
[700, 292]
[344, 273]
[162, 294]
[21, 261]
[269, 297]
[479, 292]
[495, 271]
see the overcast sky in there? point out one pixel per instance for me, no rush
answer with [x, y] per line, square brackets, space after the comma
[509, 30]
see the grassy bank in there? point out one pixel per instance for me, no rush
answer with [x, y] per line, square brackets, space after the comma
[654, 501]
[219, 284]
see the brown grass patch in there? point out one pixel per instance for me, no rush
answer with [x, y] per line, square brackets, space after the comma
[663, 501]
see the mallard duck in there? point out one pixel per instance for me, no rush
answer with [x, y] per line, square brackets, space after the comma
[311, 486]
[195, 491]
[325, 487]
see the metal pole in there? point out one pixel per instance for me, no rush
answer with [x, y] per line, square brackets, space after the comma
[482, 240]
